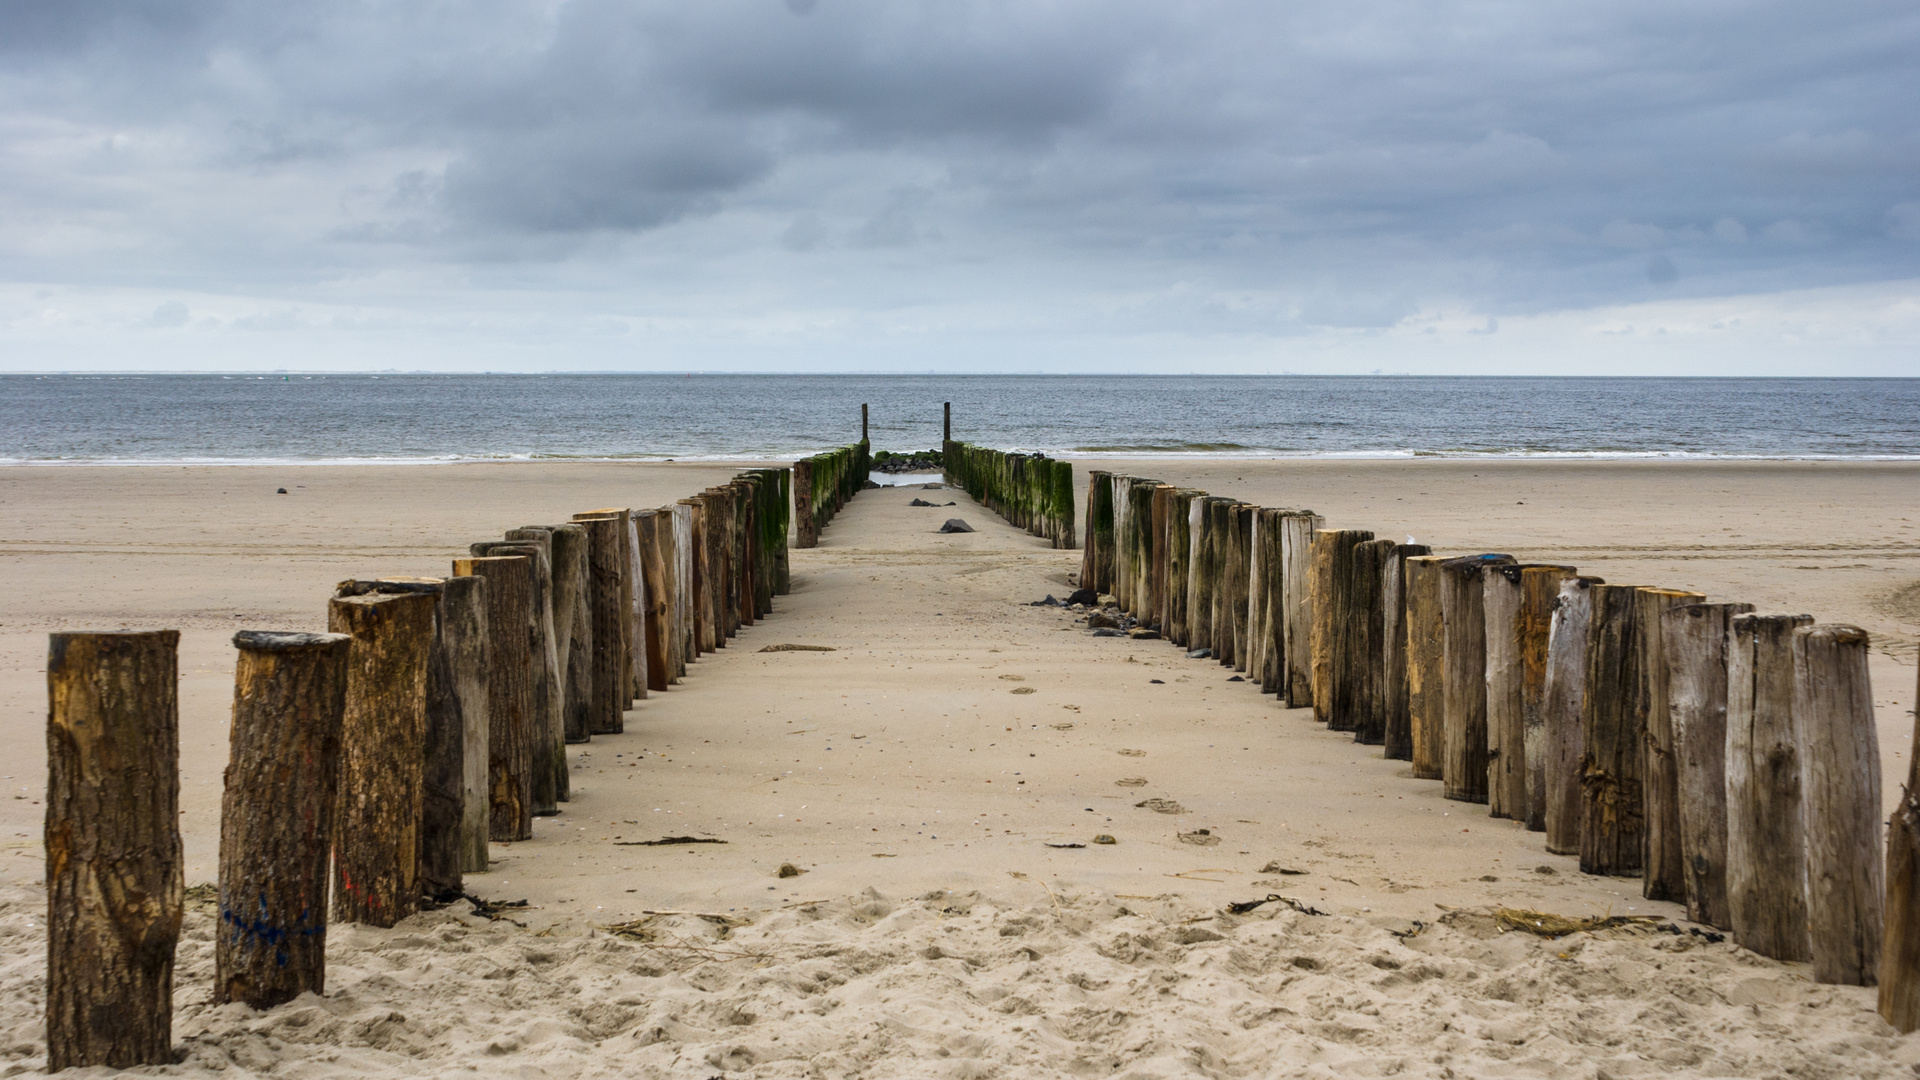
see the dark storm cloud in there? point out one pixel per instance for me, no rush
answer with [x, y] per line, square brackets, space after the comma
[1363, 159]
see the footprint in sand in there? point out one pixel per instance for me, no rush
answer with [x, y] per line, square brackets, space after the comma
[1131, 781]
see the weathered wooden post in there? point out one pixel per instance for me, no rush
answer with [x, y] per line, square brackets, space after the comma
[444, 761]
[1900, 952]
[1239, 573]
[1270, 596]
[1840, 805]
[605, 714]
[654, 576]
[573, 615]
[1426, 637]
[1296, 593]
[1563, 704]
[1393, 692]
[863, 421]
[946, 424]
[114, 875]
[1613, 742]
[1366, 656]
[806, 527]
[1663, 867]
[1179, 563]
[1463, 615]
[1225, 528]
[1257, 613]
[510, 702]
[1199, 574]
[1517, 624]
[1766, 834]
[636, 602]
[380, 794]
[1694, 637]
[463, 630]
[1540, 594]
[1162, 569]
[289, 694]
[1338, 633]
[549, 760]
[1097, 557]
[683, 581]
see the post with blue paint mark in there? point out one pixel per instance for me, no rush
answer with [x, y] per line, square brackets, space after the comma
[289, 696]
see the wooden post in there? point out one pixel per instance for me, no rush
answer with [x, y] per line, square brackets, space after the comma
[1296, 592]
[1694, 637]
[1515, 630]
[654, 577]
[463, 631]
[636, 602]
[1840, 806]
[443, 768]
[1179, 563]
[1506, 726]
[683, 583]
[1270, 596]
[510, 703]
[1426, 666]
[549, 751]
[1256, 643]
[1337, 637]
[1123, 541]
[606, 710]
[1393, 693]
[1900, 952]
[946, 425]
[1239, 574]
[1199, 574]
[863, 421]
[1366, 656]
[1225, 533]
[1613, 741]
[806, 528]
[1162, 570]
[1663, 867]
[670, 568]
[114, 874]
[380, 794]
[1463, 614]
[289, 693]
[573, 616]
[1563, 703]
[1766, 835]
[1539, 595]
[1096, 561]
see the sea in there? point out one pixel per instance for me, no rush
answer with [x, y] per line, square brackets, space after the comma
[389, 418]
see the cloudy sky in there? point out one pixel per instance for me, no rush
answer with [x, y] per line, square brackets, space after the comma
[1627, 186]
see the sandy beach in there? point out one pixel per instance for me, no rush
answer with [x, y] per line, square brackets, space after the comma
[920, 771]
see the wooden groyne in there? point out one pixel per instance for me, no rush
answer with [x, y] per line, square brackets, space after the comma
[1031, 491]
[1724, 758]
[373, 764]
[822, 484]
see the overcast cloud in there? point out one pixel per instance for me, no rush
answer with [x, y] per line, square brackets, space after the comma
[1032, 184]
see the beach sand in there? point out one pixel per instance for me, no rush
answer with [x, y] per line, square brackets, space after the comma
[918, 772]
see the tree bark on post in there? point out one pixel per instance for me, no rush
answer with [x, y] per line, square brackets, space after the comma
[1366, 658]
[1296, 590]
[654, 574]
[1840, 806]
[573, 614]
[606, 709]
[380, 794]
[1613, 741]
[510, 705]
[1393, 692]
[1663, 866]
[1540, 594]
[1464, 666]
[289, 694]
[1563, 703]
[1766, 835]
[115, 882]
[1694, 638]
[1900, 951]
[1426, 637]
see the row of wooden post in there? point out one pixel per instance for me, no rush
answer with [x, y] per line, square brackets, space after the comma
[823, 483]
[369, 766]
[1032, 491]
[1726, 758]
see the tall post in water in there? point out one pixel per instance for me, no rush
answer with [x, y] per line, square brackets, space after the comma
[863, 421]
[946, 428]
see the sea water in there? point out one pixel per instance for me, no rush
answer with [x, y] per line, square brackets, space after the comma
[50, 419]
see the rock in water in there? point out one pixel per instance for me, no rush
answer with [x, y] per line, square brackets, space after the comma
[955, 525]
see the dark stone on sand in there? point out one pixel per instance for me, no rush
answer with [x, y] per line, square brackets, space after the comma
[1084, 596]
[955, 525]
[1099, 619]
[1200, 654]
[1142, 633]
[1108, 631]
